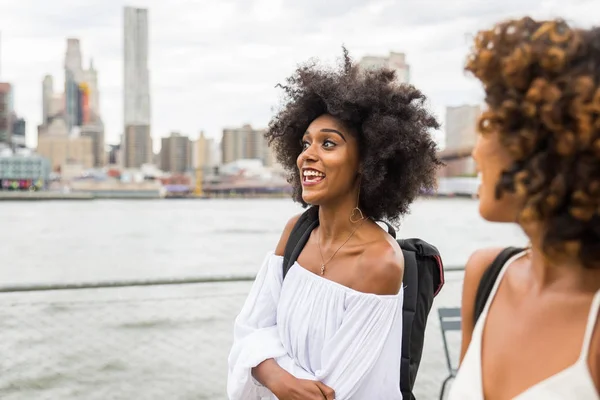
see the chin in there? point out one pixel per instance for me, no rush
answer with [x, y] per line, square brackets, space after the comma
[488, 208]
[488, 213]
[310, 198]
[496, 211]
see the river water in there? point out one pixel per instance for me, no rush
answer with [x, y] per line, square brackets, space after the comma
[165, 342]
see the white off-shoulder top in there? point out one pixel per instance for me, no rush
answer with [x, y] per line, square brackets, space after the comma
[320, 330]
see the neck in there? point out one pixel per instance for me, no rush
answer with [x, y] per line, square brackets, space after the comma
[564, 274]
[334, 220]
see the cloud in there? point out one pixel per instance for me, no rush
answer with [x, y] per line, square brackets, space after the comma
[216, 64]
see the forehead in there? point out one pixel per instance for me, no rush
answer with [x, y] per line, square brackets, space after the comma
[326, 121]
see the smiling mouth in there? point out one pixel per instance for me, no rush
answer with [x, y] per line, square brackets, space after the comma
[312, 176]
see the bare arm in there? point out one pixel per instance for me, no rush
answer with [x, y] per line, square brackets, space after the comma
[280, 382]
[271, 375]
[594, 356]
[268, 372]
[477, 264]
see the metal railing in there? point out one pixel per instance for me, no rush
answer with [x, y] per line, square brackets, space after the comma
[38, 287]
[165, 339]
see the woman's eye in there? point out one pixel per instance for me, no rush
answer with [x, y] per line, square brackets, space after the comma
[328, 144]
[305, 145]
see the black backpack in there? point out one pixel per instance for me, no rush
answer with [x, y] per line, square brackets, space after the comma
[423, 280]
[489, 277]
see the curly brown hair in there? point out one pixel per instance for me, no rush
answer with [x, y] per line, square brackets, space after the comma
[398, 156]
[542, 85]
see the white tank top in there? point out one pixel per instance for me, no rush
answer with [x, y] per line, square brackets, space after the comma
[574, 382]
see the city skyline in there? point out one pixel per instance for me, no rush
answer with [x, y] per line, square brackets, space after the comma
[207, 76]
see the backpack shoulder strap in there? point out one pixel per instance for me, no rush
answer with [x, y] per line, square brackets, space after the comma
[414, 246]
[489, 278]
[299, 235]
[423, 280]
[427, 251]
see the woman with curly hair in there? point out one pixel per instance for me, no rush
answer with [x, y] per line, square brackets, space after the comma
[533, 334]
[358, 149]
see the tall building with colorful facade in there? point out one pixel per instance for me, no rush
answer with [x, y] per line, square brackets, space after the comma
[81, 89]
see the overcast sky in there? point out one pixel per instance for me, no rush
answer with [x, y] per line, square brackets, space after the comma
[215, 63]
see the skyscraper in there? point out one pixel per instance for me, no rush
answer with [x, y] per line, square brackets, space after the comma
[73, 58]
[19, 132]
[90, 77]
[461, 132]
[6, 112]
[203, 156]
[73, 76]
[176, 153]
[234, 143]
[95, 131]
[395, 61]
[461, 124]
[47, 95]
[244, 143]
[136, 89]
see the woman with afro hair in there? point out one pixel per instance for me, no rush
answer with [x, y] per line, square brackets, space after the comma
[535, 334]
[358, 149]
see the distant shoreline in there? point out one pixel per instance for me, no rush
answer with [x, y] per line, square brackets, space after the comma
[43, 195]
[70, 196]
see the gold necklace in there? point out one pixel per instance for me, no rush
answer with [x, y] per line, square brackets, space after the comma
[333, 255]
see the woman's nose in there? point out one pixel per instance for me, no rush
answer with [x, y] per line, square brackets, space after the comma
[309, 153]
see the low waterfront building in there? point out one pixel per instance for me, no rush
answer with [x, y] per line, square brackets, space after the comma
[117, 189]
[24, 172]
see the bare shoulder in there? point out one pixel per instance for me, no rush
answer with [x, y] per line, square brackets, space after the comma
[382, 264]
[285, 235]
[478, 263]
[475, 267]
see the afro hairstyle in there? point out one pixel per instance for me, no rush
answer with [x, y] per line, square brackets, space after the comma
[392, 124]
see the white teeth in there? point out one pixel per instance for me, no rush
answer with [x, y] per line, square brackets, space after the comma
[312, 173]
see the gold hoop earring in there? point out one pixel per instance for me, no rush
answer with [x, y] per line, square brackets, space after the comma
[357, 215]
